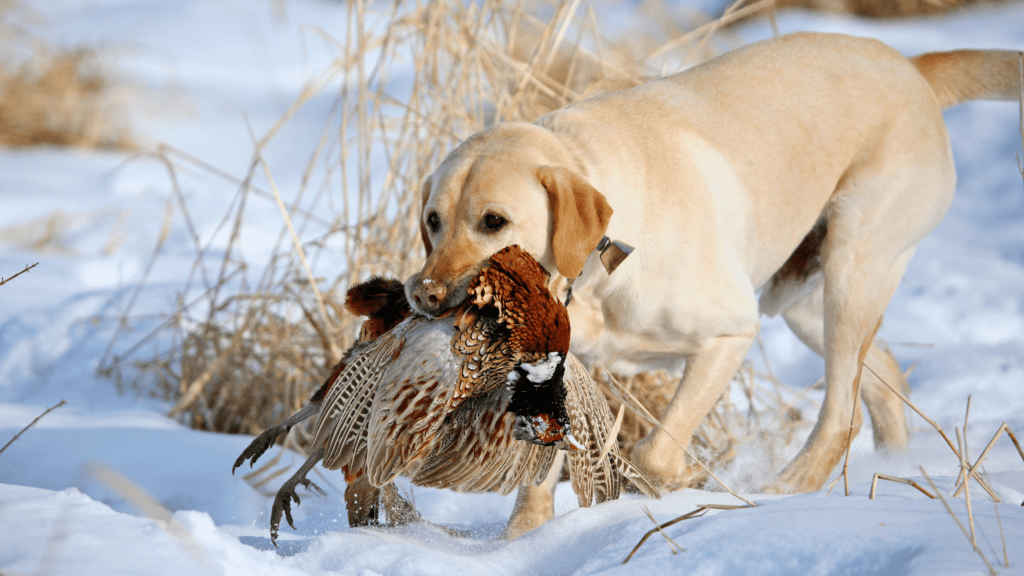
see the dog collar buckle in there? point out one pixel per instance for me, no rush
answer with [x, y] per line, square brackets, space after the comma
[612, 253]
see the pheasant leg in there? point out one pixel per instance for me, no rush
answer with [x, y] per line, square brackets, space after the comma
[264, 441]
[287, 493]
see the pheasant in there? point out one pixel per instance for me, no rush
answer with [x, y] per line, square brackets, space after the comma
[444, 400]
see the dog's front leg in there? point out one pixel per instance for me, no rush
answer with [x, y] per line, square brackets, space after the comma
[535, 505]
[661, 455]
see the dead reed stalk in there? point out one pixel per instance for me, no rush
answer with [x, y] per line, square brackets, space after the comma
[700, 511]
[32, 423]
[659, 527]
[27, 268]
[981, 481]
[880, 8]
[972, 470]
[1016, 444]
[1020, 70]
[967, 493]
[879, 476]
[958, 523]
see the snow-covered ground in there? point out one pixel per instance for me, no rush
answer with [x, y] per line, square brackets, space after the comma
[221, 67]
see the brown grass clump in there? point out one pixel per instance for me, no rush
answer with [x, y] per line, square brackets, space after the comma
[652, 389]
[245, 345]
[51, 95]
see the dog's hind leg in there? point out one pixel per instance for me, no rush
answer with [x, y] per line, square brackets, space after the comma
[852, 316]
[888, 415]
[806, 319]
[890, 197]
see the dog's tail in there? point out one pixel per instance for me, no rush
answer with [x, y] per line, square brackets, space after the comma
[964, 75]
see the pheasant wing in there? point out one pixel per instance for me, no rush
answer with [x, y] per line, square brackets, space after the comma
[340, 427]
[482, 344]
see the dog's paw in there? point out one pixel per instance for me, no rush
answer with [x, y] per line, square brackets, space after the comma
[665, 465]
[795, 479]
[529, 514]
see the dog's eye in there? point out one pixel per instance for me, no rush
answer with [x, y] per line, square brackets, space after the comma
[433, 221]
[494, 222]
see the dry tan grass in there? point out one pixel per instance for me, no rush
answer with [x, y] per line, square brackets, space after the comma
[238, 353]
[57, 96]
[63, 99]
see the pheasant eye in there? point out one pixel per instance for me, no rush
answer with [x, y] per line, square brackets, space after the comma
[494, 222]
[433, 221]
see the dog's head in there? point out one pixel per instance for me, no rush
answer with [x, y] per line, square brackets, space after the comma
[510, 184]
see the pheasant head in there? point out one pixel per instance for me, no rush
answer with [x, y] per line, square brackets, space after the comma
[514, 286]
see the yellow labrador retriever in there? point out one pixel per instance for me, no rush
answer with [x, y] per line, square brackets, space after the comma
[807, 167]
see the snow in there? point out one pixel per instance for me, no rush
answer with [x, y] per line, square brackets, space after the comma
[220, 68]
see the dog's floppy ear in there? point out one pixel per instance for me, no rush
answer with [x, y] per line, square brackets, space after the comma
[425, 193]
[581, 216]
